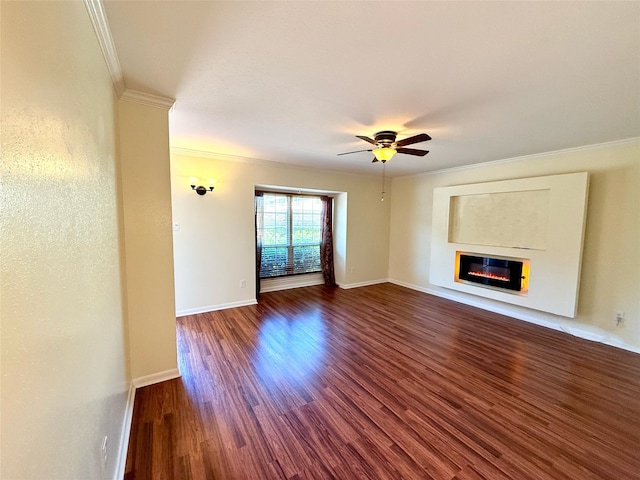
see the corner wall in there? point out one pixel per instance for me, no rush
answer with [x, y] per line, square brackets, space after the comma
[610, 267]
[64, 355]
[146, 198]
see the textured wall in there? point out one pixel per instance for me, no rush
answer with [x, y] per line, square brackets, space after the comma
[610, 277]
[64, 374]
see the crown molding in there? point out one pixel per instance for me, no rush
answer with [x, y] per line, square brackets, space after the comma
[147, 99]
[100, 24]
[524, 157]
[101, 27]
[191, 152]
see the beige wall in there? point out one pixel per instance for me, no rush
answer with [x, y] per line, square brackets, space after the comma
[215, 246]
[146, 197]
[610, 278]
[64, 367]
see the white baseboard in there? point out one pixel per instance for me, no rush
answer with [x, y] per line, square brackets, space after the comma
[121, 462]
[213, 308]
[593, 334]
[156, 378]
[347, 286]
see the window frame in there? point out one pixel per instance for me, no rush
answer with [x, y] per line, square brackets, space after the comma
[289, 269]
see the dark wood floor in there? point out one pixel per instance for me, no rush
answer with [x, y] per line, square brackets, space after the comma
[383, 382]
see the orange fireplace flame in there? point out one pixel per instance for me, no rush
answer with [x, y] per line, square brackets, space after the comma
[492, 276]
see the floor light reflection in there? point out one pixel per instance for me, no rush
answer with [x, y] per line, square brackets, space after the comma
[290, 348]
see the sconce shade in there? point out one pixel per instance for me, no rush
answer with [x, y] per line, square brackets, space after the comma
[384, 153]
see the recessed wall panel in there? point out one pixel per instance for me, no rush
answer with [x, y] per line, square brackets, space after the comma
[502, 219]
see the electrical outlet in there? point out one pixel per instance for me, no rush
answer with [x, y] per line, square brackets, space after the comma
[619, 318]
[352, 269]
[243, 284]
[176, 227]
[104, 451]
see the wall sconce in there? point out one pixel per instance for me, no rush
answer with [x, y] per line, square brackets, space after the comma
[200, 190]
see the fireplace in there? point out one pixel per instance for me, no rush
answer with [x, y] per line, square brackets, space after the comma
[493, 272]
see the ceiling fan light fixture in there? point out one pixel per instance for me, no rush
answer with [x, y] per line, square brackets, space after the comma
[383, 154]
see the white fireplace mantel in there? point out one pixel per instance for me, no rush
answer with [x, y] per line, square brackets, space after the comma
[541, 219]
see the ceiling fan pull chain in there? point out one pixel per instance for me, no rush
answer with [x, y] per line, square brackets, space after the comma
[384, 165]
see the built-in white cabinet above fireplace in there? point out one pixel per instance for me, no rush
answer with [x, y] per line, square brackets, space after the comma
[538, 222]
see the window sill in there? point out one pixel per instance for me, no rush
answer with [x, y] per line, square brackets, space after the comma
[291, 281]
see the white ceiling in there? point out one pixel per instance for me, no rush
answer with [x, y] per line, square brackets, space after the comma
[294, 82]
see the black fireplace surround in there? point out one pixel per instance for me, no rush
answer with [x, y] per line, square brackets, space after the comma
[494, 272]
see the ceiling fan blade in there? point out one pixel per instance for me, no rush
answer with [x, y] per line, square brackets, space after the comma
[374, 160]
[423, 137]
[357, 151]
[412, 151]
[366, 139]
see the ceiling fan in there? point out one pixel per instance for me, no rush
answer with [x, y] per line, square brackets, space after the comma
[387, 146]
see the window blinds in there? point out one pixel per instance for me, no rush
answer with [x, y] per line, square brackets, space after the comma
[289, 234]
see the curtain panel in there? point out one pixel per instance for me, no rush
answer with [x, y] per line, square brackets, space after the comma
[326, 247]
[259, 220]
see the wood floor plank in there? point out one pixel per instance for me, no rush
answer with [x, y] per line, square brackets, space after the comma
[383, 382]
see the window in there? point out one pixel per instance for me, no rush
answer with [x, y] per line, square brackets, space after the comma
[290, 230]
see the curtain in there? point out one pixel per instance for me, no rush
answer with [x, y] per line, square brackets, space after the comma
[259, 218]
[326, 247]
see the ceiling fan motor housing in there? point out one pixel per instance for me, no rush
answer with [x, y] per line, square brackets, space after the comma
[385, 138]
